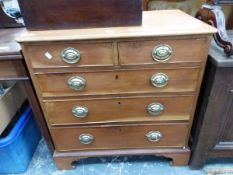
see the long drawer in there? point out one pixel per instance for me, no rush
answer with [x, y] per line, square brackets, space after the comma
[144, 108]
[112, 137]
[118, 82]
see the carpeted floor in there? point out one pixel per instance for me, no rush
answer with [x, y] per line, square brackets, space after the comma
[42, 164]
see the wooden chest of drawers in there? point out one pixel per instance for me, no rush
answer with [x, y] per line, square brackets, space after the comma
[120, 91]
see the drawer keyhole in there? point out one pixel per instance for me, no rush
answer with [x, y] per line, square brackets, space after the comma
[117, 77]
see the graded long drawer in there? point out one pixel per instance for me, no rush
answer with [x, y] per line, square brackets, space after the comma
[144, 108]
[112, 137]
[53, 55]
[160, 51]
[118, 82]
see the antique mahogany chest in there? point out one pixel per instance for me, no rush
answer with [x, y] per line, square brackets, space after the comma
[123, 90]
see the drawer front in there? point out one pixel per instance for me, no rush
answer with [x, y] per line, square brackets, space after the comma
[136, 136]
[70, 55]
[119, 110]
[13, 69]
[116, 82]
[160, 51]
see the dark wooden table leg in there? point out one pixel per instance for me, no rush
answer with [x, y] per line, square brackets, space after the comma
[34, 103]
[200, 145]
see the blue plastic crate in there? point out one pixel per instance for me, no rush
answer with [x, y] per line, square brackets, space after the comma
[17, 148]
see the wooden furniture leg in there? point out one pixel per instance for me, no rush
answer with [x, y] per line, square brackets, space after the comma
[65, 163]
[180, 159]
[65, 160]
[33, 101]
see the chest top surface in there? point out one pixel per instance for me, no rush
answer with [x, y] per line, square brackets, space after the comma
[154, 24]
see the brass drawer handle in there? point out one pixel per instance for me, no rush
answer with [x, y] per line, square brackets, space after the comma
[70, 55]
[86, 139]
[162, 53]
[154, 136]
[159, 80]
[155, 109]
[80, 111]
[76, 83]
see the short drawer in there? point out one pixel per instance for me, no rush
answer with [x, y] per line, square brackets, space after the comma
[111, 137]
[118, 82]
[137, 109]
[161, 51]
[70, 55]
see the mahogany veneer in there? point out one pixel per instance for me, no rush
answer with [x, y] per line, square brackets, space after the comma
[122, 91]
[118, 109]
[109, 82]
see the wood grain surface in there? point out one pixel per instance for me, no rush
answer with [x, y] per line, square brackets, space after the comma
[12, 69]
[124, 109]
[154, 23]
[92, 54]
[117, 82]
[110, 137]
[118, 86]
[140, 52]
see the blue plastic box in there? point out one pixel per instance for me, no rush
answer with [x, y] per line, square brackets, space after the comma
[17, 148]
